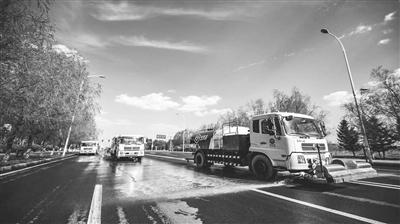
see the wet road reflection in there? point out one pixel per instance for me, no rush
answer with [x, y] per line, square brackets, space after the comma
[155, 180]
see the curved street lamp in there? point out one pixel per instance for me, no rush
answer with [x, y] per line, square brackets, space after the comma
[367, 152]
[74, 112]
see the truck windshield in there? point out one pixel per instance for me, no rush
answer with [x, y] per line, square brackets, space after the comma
[87, 144]
[301, 126]
[132, 140]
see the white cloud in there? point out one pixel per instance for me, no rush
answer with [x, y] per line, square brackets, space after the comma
[163, 128]
[387, 31]
[372, 84]
[396, 74]
[384, 41]
[389, 16]
[198, 103]
[152, 101]
[338, 98]
[141, 41]
[360, 30]
[71, 53]
[129, 11]
[83, 41]
[60, 48]
[212, 112]
[171, 91]
[289, 54]
[249, 65]
[104, 122]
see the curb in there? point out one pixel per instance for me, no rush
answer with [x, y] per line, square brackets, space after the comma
[376, 162]
[21, 167]
[384, 163]
[168, 158]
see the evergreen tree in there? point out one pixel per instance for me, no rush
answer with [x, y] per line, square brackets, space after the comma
[380, 138]
[347, 137]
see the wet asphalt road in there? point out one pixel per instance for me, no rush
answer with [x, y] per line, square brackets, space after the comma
[157, 191]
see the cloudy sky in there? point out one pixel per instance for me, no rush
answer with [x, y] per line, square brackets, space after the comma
[175, 64]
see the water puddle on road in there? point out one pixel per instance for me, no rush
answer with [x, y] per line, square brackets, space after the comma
[78, 216]
[177, 211]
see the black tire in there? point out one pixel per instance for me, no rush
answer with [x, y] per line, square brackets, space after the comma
[139, 159]
[200, 159]
[114, 156]
[262, 167]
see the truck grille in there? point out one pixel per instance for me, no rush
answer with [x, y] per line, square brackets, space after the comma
[309, 146]
[131, 148]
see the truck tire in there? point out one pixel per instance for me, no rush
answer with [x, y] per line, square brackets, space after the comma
[139, 159]
[262, 167]
[200, 160]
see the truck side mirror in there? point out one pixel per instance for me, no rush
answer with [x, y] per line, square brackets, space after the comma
[289, 118]
[323, 128]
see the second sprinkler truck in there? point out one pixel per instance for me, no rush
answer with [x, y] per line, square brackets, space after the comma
[274, 142]
[128, 146]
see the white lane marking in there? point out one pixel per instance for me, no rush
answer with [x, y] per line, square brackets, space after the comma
[95, 206]
[30, 167]
[378, 183]
[362, 199]
[375, 184]
[121, 216]
[345, 214]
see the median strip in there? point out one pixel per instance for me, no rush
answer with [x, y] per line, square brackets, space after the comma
[337, 212]
[45, 162]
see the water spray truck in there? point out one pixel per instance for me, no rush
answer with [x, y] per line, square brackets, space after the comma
[278, 141]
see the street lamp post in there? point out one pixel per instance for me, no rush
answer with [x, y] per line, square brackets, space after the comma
[362, 91]
[366, 149]
[74, 112]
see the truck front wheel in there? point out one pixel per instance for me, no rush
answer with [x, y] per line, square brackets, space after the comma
[200, 160]
[262, 167]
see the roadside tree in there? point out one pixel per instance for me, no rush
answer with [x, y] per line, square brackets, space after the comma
[347, 137]
[38, 84]
[381, 99]
[297, 102]
[380, 138]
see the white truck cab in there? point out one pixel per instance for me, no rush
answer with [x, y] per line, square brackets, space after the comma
[89, 147]
[128, 146]
[289, 140]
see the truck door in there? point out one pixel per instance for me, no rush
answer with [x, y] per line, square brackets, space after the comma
[268, 139]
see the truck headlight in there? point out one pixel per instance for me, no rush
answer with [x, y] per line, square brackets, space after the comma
[301, 159]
